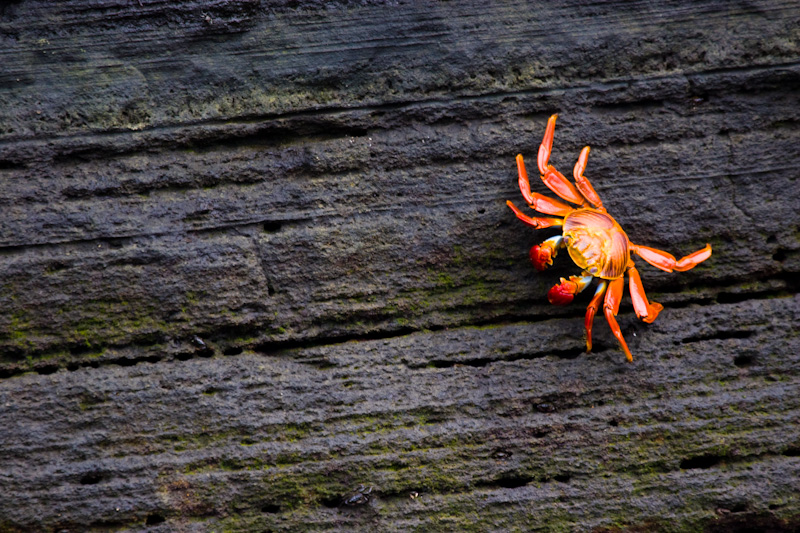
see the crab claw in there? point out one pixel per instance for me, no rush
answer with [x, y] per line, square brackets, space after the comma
[542, 255]
[563, 293]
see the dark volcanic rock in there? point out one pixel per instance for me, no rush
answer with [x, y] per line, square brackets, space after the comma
[257, 272]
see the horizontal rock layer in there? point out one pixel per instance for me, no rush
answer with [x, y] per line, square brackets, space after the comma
[257, 272]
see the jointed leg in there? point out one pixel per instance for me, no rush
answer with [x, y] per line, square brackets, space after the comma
[554, 180]
[611, 308]
[646, 311]
[667, 262]
[592, 310]
[551, 177]
[547, 144]
[539, 202]
[536, 222]
[557, 183]
[583, 184]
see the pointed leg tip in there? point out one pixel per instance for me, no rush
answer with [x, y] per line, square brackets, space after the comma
[655, 309]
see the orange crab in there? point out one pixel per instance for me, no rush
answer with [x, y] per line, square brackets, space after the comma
[595, 242]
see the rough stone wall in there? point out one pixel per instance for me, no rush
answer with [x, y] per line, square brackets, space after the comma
[255, 255]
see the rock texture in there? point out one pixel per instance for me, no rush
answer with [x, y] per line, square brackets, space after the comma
[257, 272]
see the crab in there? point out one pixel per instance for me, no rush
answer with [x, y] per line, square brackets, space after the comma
[360, 496]
[594, 241]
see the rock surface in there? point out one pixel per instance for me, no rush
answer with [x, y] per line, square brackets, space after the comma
[257, 272]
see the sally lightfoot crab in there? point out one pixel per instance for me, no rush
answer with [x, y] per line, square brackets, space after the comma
[595, 242]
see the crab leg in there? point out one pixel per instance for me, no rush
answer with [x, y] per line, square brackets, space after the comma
[536, 222]
[554, 180]
[646, 311]
[583, 184]
[592, 310]
[557, 183]
[548, 206]
[551, 177]
[539, 202]
[547, 144]
[667, 262]
[611, 308]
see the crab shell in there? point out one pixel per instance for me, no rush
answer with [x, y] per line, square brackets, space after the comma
[596, 243]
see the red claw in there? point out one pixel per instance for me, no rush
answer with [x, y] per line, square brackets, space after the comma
[563, 293]
[541, 257]
[543, 254]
